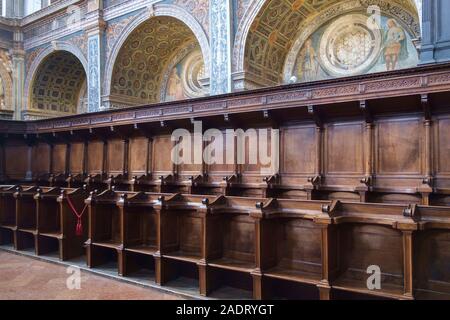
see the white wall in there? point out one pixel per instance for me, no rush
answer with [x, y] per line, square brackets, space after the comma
[31, 6]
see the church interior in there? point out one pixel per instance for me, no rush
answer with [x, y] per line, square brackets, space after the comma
[349, 98]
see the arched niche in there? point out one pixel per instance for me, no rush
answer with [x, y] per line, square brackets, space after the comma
[153, 58]
[55, 82]
[270, 29]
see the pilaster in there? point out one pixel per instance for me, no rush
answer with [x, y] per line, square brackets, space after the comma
[435, 46]
[18, 74]
[221, 46]
[95, 32]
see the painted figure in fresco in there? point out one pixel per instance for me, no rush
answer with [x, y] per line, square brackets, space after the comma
[308, 65]
[174, 87]
[395, 47]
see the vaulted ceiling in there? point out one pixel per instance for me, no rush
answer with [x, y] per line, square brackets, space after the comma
[276, 26]
[143, 59]
[57, 84]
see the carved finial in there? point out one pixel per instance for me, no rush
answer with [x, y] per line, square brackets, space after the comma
[326, 208]
[427, 181]
[364, 107]
[366, 181]
[408, 212]
[426, 106]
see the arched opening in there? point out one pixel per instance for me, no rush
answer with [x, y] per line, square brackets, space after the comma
[6, 99]
[300, 41]
[57, 86]
[161, 60]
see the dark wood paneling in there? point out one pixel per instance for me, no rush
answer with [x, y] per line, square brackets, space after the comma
[40, 163]
[139, 153]
[95, 161]
[59, 158]
[16, 160]
[76, 158]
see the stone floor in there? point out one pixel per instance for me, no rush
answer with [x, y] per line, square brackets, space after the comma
[29, 279]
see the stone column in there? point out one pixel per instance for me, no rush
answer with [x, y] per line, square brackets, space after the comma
[95, 33]
[14, 8]
[427, 45]
[221, 45]
[18, 75]
[435, 31]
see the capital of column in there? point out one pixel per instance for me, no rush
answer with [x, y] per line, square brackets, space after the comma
[95, 26]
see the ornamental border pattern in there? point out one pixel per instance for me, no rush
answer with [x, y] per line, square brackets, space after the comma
[304, 95]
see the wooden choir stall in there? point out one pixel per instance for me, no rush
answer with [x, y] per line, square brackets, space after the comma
[361, 185]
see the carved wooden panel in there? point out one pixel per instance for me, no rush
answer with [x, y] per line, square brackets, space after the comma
[16, 160]
[76, 158]
[257, 158]
[59, 158]
[138, 155]
[239, 242]
[40, 163]
[399, 147]
[162, 149]
[190, 233]
[222, 165]
[116, 150]
[298, 150]
[192, 163]
[365, 245]
[432, 255]
[443, 146]
[95, 157]
[344, 148]
[299, 246]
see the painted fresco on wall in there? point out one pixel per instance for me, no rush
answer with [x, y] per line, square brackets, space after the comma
[350, 46]
[174, 86]
[185, 78]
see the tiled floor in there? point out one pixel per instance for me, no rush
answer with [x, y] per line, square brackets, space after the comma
[26, 278]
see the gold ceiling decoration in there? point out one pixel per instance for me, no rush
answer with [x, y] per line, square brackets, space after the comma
[277, 26]
[143, 59]
[58, 83]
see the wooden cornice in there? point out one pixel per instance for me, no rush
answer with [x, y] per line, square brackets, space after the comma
[423, 80]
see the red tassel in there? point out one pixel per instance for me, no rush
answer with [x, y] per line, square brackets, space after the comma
[79, 229]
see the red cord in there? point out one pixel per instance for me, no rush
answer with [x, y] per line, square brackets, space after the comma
[79, 228]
